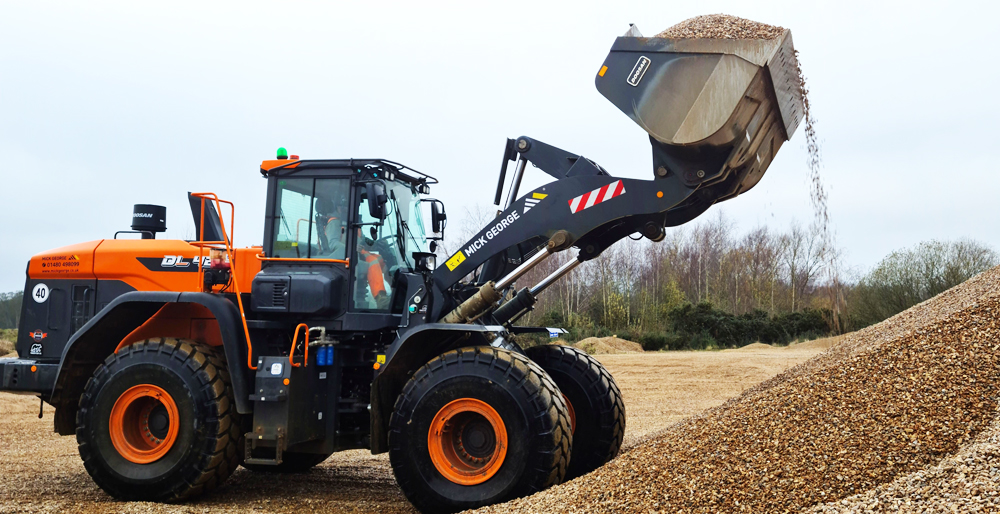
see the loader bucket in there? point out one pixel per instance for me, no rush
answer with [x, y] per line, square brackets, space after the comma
[716, 110]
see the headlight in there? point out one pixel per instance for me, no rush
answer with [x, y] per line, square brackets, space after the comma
[425, 261]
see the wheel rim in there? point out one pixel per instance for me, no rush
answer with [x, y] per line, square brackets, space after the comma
[572, 413]
[144, 424]
[467, 441]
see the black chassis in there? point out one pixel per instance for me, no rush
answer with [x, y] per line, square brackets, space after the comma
[411, 334]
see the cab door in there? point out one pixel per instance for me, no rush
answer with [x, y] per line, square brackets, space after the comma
[306, 262]
[376, 255]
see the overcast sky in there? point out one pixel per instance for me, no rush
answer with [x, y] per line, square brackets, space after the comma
[104, 105]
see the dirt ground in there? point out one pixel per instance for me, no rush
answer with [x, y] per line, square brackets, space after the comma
[42, 472]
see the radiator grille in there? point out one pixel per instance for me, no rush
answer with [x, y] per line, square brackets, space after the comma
[278, 297]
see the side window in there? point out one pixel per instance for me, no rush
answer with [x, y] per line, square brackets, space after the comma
[311, 222]
[372, 288]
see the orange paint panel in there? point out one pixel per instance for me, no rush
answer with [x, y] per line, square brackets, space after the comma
[73, 261]
[179, 320]
[150, 264]
[269, 165]
[246, 266]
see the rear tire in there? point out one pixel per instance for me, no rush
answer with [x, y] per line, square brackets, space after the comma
[594, 399]
[477, 426]
[291, 462]
[157, 422]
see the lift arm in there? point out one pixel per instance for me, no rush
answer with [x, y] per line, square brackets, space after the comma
[592, 208]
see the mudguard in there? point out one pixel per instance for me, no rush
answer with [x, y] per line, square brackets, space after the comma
[90, 345]
[414, 347]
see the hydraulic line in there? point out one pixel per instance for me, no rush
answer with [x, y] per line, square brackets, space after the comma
[525, 266]
[516, 183]
[556, 275]
[525, 298]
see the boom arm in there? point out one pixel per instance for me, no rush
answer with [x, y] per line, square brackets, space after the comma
[593, 208]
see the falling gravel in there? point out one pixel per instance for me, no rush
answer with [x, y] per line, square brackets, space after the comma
[887, 403]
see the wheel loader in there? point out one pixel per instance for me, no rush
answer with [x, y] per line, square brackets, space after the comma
[175, 362]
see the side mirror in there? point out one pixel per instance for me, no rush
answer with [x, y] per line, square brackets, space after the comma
[376, 199]
[438, 217]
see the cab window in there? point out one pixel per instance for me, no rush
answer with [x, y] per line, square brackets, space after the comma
[374, 262]
[311, 222]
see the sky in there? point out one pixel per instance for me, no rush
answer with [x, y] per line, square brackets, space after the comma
[107, 104]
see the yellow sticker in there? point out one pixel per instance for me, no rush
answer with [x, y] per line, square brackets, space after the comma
[538, 196]
[380, 359]
[455, 260]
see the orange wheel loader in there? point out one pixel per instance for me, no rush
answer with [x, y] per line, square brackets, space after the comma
[174, 362]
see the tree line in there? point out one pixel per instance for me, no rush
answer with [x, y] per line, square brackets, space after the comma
[710, 285]
[707, 285]
[10, 309]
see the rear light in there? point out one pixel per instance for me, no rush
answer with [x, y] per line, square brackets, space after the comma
[219, 259]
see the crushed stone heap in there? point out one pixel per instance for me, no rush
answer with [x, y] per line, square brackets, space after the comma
[889, 401]
[721, 26]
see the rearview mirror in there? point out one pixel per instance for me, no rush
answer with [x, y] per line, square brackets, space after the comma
[376, 199]
[438, 217]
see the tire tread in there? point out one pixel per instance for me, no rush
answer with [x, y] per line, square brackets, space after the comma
[218, 456]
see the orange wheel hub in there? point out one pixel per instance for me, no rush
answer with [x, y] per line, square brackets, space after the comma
[572, 413]
[467, 441]
[144, 424]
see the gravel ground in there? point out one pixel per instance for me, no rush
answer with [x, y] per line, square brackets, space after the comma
[888, 405]
[42, 472]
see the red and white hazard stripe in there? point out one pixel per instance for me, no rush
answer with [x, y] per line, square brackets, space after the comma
[597, 196]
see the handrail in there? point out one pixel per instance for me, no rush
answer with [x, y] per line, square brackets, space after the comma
[295, 338]
[227, 240]
[260, 257]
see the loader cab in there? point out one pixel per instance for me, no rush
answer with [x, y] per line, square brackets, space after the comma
[338, 234]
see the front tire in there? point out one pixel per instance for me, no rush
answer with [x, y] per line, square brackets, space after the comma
[477, 426]
[594, 399]
[157, 422]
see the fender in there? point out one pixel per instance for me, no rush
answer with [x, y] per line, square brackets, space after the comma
[413, 348]
[97, 339]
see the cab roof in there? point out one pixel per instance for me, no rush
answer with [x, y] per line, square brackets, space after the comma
[284, 167]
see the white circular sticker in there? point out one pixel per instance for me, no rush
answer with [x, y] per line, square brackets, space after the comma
[40, 293]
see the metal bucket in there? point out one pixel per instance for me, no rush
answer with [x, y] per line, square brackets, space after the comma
[716, 110]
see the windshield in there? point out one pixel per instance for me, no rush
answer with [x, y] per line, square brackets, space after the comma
[402, 233]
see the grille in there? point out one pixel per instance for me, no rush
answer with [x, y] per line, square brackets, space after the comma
[278, 298]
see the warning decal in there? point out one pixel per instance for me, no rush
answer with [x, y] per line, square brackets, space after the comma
[455, 260]
[601, 194]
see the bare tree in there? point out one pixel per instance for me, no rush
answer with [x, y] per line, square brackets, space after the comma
[803, 259]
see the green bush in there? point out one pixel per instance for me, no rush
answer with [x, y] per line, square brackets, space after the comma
[704, 326]
[695, 327]
[10, 309]
[7, 338]
[910, 276]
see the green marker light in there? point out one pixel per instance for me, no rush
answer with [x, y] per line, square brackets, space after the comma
[282, 153]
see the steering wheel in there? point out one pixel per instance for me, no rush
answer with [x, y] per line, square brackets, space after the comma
[385, 246]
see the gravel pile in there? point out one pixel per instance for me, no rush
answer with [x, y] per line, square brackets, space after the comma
[607, 345]
[966, 482]
[721, 26]
[885, 403]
